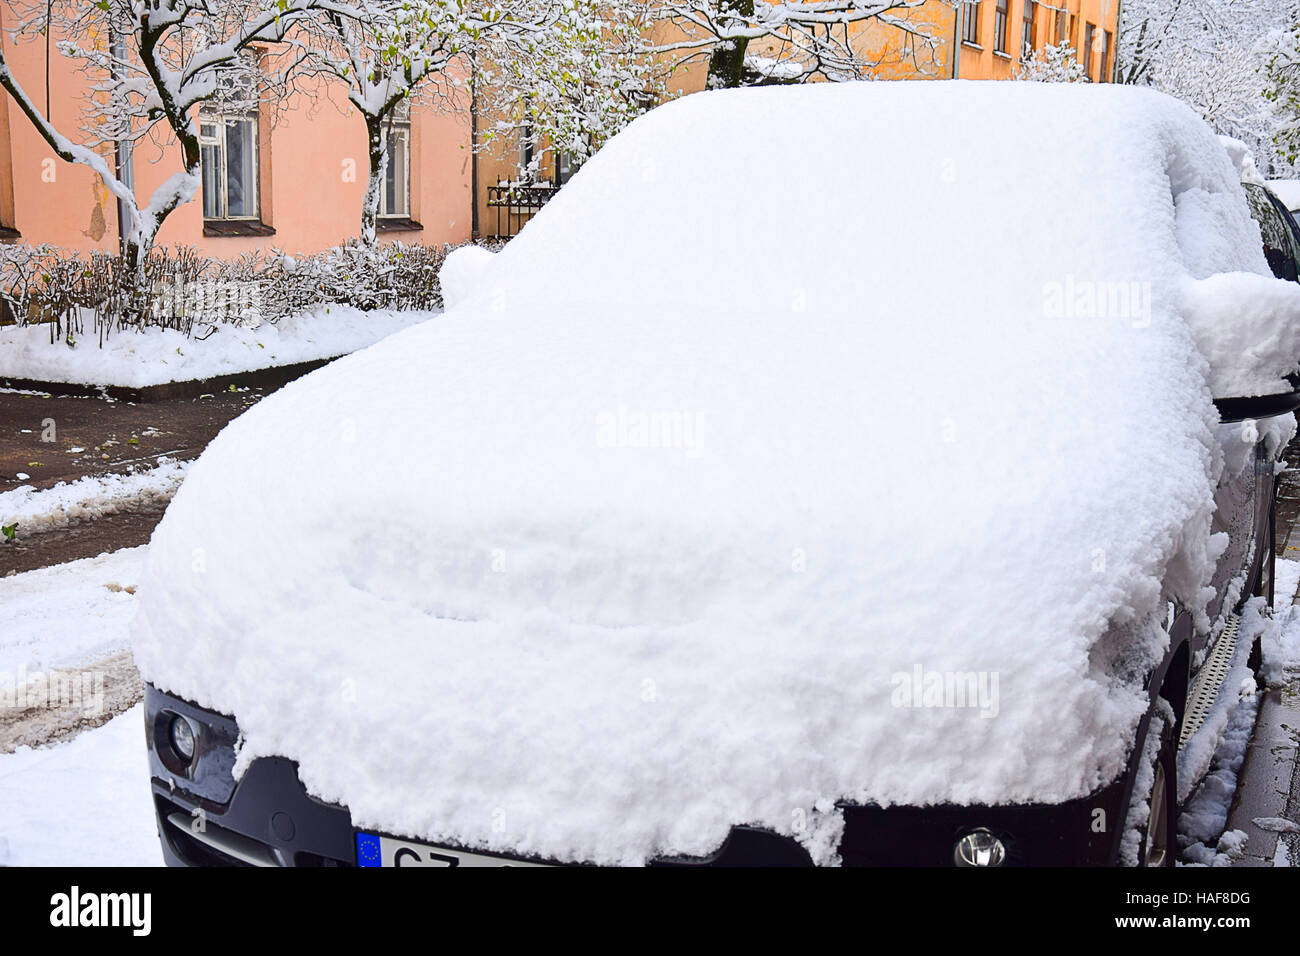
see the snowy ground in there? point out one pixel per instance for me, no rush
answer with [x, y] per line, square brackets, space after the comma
[155, 356]
[86, 801]
[68, 615]
[65, 662]
[83, 803]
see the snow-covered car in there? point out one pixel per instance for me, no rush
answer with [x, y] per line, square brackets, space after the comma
[857, 473]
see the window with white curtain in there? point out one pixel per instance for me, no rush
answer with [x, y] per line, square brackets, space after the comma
[395, 197]
[229, 146]
[228, 137]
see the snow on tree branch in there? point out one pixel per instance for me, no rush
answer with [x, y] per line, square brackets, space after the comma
[1054, 63]
[578, 82]
[810, 39]
[1215, 57]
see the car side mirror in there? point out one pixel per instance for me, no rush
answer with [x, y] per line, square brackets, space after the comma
[1261, 406]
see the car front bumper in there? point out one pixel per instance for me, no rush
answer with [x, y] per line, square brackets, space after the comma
[267, 818]
[205, 818]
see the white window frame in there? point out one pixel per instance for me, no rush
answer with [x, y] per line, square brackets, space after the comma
[398, 125]
[970, 28]
[220, 121]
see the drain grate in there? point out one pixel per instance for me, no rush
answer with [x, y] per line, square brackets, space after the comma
[1205, 688]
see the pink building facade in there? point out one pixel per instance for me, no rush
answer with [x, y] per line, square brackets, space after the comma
[291, 177]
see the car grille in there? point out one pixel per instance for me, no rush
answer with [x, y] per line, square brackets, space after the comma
[215, 845]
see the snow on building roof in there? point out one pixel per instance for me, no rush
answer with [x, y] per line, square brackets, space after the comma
[790, 399]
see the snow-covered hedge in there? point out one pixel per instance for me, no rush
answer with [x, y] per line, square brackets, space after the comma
[395, 276]
[181, 289]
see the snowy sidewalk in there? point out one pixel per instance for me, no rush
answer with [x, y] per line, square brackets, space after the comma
[1268, 797]
[1267, 804]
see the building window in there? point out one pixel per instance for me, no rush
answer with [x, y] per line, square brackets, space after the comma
[229, 152]
[1107, 39]
[1027, 29]
[1086, 53]
[970, 28]
[395, 197]
[1060, 27]
[228, 128]
[1000, 26]
[529, 161]
[566, 164]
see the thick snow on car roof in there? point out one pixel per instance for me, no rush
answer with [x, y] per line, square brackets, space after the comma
[797, 410]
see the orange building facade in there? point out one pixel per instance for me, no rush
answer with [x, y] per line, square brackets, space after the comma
[995, 36]
[290, 177]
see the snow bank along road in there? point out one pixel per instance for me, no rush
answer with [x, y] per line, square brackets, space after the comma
[65, 661]
[155, 356]
[92, 515]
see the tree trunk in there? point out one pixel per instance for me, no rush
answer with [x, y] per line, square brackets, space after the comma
[135, 249]
[726, 63]
[378, 150]
[144, 227]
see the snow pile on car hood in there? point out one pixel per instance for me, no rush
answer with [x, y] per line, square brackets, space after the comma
[796, 412]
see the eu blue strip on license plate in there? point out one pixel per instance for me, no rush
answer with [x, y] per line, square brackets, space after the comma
[368, 850]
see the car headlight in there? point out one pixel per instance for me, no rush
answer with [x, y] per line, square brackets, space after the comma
[979, 848]
[182, 738]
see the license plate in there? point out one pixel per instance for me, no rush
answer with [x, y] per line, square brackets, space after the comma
[374, 849]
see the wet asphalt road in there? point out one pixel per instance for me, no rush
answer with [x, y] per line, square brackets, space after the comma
[51, 439]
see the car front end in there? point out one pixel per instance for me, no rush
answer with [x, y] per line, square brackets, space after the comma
[267, 818]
